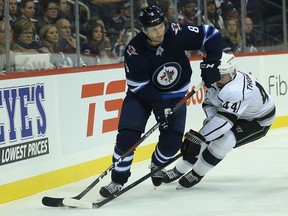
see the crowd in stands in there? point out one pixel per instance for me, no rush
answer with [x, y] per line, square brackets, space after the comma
[48, 26]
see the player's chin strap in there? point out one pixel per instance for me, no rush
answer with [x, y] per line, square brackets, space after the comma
[58, 202]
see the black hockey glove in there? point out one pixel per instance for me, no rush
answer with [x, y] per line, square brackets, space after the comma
[162, 113]
[210, 72]
[192, 143]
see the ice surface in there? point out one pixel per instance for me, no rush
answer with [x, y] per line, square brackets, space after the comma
[251, 180]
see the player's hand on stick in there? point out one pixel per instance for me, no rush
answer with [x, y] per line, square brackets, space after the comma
[192, 143]
[162, 114]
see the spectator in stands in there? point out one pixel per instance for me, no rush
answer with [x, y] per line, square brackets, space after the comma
[228, 11]
[94, 19]
[125, 36]
[100, 8]
[67, 42]
[27, 10]
[64, 10]
[169, 10]
[12, 10]
[114, 22]
[2, 36]
[189, 12]
[255, 10]
[251, 39]
[167, 7]
[24, 32]
[232, 40]
[48, 12]
[126, 13]
[49, 37]
[3, 46]
[97, 46]
[213, 18]
[1, 8]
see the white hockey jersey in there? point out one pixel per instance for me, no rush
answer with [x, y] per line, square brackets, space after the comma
[241, 98]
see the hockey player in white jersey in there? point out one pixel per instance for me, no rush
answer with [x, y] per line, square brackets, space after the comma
[238, 112]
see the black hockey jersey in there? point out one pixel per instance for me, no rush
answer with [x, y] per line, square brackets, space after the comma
[155, 73]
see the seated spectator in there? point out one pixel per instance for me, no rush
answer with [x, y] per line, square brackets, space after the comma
[100, 8]
[168, 8]
[255, 9]
[126, 13]
[3, 46]
[12, 10]
[189, 12]
[232, 40]
[97, 46]
[49, 37]
[48, 12]
[24, 32]
[125, 36]
[27, 10]
[1, 8]
[114, 22]
[67, 43]
[213, 18]
[94, 19]
[228, 11]
[64, 10]
[251, 39]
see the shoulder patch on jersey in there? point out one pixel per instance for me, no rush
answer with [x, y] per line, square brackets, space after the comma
[131, 50]
[167, 75]
[175, 27]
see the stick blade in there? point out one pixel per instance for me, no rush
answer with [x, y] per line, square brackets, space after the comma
[52, 202]
[77, 203]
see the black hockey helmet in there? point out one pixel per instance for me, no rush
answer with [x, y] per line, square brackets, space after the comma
[151, 16]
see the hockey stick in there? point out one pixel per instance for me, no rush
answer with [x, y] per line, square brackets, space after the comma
[86, 204]
[58, 202]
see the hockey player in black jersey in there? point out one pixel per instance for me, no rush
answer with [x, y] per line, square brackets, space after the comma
[158, 76]
[238, 112]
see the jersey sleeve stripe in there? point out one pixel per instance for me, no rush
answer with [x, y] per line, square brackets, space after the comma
[136, 86]
[209, 33]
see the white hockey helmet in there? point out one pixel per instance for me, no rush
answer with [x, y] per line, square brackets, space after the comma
[228, 64]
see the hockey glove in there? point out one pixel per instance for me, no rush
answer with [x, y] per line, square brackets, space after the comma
[192, 143]
[162, 114]
[210, 72]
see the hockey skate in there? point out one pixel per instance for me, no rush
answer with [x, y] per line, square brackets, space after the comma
[110, 189]
[188, 180]
[158, 176]
[171, 175]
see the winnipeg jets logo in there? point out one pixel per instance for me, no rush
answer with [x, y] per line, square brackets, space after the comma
[131, 50]
[167, 75]
[175, 27]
